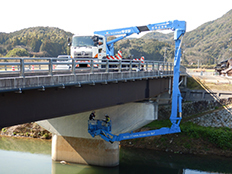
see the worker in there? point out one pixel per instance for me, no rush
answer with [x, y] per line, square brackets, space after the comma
[92, 116]
[106, 120]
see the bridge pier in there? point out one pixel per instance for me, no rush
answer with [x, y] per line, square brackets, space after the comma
[71, 141]
[85, 151]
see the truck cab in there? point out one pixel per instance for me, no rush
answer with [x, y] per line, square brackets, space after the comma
[87, 46]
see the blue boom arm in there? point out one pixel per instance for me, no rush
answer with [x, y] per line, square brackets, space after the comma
[172, 25]
[104, 130]
[98, 127]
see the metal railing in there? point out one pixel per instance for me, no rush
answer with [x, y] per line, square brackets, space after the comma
[50, 66]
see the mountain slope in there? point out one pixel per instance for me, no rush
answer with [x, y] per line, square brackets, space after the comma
[211, 42]
[151, 49]
[37, 41]
[159, 36]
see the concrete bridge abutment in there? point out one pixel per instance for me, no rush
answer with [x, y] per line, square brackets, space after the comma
[71, 141]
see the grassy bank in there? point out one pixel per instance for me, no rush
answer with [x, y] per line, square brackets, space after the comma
[219, 137]
[193, 139]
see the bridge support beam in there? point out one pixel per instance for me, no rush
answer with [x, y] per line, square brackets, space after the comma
[71, 141]
[85, 151]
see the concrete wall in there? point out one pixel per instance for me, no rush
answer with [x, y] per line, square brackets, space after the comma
[192, 108]
[197, 95]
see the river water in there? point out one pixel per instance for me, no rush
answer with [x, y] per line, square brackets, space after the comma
[33, 156]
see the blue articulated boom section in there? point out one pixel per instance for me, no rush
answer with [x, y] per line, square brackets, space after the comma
[98, 127]
[177, 26]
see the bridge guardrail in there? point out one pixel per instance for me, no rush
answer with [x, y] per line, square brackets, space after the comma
[50, 66]
[17, 74]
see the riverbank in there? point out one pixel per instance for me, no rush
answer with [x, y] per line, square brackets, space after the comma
[30, 130]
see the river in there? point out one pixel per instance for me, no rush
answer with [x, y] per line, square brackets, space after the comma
[33, 156]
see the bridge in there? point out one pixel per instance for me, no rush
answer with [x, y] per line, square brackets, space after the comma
[35, 89]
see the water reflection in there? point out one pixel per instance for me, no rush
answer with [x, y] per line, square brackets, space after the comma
[147, 161]
[22, 163]
[30, 145]
[22, 156]
[19, 155]
[58, 168]
[161, 162]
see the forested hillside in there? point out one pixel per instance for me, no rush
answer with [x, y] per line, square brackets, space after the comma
[159, 36]
[36, 41]
[151, 49]
[209, 43]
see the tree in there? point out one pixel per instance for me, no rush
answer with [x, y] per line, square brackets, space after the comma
[17, 52]
[16, 41]
[51, 48]
[35, 44]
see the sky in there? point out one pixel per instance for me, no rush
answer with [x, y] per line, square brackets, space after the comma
[87, 16]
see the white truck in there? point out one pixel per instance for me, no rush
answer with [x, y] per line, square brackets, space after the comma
[87, 47]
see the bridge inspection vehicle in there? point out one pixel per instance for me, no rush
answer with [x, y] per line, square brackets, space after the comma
[98, 127]
[85, 47]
